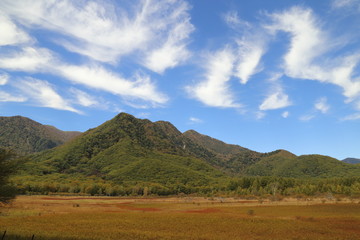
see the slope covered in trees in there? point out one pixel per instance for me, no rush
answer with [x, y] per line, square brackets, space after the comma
[126, 149]
[126, 155]
[7, 168]
[352, 160]
[25, 136]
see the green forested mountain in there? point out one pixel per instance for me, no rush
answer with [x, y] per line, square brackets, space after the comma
[24, 135]
[352, 160]
[128, 151]
[288, 165]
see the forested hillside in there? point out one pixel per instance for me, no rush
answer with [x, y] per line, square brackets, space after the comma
[126, 155]
[25, 136]
[352, 160]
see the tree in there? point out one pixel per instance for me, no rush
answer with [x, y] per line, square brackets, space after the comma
[7, 167]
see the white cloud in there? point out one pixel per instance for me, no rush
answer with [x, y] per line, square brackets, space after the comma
[31, 59]
[165, 57]
[104, 33]
[276, 98]
[307, 118]
[306, 38]
[10, 33]
[322, 105]
[346, 4]
[173, 51]
[97, 77]
[214, 89]
[4, 78]
[250, 46]
[28, 59]
[307, 55]
[249, 56]
[233, 20]
[83, 99]
[260, 115]
[43, 94]
[355, 116]
[285, 114]
[6, 97]
[195, 120]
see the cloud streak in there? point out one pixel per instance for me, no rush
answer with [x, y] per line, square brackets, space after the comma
[307, 56]
[42, 94]
[322, 105]
[97, 30]
[276, 99]
[214, 89]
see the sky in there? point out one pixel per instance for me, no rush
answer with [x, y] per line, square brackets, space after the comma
[262, 74]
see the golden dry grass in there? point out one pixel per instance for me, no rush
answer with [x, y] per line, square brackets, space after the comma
[178, 218]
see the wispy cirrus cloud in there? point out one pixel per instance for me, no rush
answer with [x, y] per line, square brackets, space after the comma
[4, 78]
[214, 89]
[6, 97]
[43, 94]
[151, 34]
[194, 120]
[340, 4]
[351, 117]
[250, 46]
[249, 56]
[171, 50]
[239, 59]
[84, 99]
[307, 117]
[322, 105]
[276, 98]
[27, 59]
[106, 34]
[11, 34]
[285, 114]
[307, 56]
[97, 77]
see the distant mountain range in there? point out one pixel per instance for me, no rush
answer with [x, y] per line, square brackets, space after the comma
[127, 149]
[352, 160]
[27, 136]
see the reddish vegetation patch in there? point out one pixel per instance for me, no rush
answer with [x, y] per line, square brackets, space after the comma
[248, 201]
[127, 207]
[147, 209]
[88, 198]
[206, 210]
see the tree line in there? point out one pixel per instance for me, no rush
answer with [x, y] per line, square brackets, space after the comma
[243, 186]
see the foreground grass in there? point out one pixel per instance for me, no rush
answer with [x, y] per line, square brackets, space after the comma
[106, 218]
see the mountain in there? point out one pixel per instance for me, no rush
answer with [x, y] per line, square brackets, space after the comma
[130, 150]
[237, 160]
[351, 160]
[289, 165]
[231, 158]
[27, 136]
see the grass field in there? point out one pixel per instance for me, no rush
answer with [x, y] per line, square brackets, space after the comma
[66, 218]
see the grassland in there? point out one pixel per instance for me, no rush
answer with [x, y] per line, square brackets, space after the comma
[66, 218]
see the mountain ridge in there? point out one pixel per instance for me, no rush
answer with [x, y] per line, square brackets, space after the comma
[126, 148]
[351, 160]
[25, 135]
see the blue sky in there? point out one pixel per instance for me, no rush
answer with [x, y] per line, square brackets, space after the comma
[262, 74]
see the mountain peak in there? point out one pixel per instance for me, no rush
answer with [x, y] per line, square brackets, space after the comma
[25, 135]
[351, 160]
